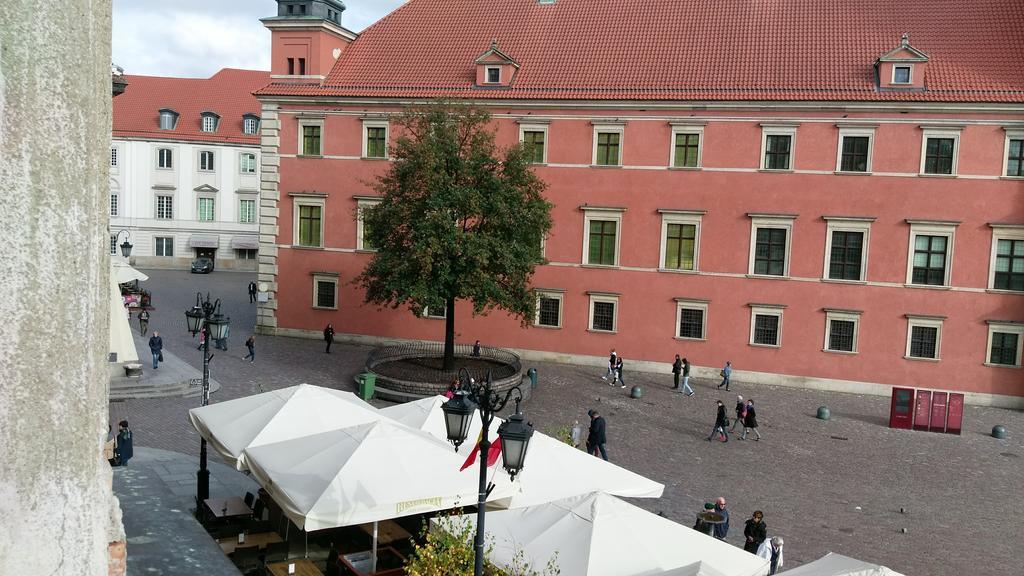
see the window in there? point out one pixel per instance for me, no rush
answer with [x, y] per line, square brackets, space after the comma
[603, 312]
[441, 312]
[291, 61]
[846, 248]
[375, 139]
[939, 150]
[250, 124]
[362, 231]
[164, 158]
[680, 231]
[164, 246]
[842, 327]
[777, 143]
[901, 74]
[931, 252]
[164, 207]
[168, 119]
[607, 145]
[691, 319]
[549, 309]
[246, 253]
[1014, 154]
[309, 137]
[113, 157]
[113, 244]
[113, 204]
[206, 161]
[924, 337]
[246, 211]
[601, 236]
[1008, 259]
[534, 138]
[493, 75]
[205, 210]
[770, 244]
[302, 61]
[325, 291]
[855, 144]
[766, 325]
[209, 123]
[1004, 343]
[247, 163]
[686, 150]
[308, 229]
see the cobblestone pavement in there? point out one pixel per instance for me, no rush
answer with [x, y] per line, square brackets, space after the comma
[825, 486]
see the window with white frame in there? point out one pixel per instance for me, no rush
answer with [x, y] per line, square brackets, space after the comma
[113, 204]
[206, 160]
[164, 246]
[604, 308]
[310, 134]
[362, 238]
[246, 211]
[608, 144]
[534, 138]
[113, 156]
[375, 139]
[930, 253]
[209, 123]
[770, 241]
[165, 158]
[691, 319]
[924, 337]
[205, 209]
[1013, 154]
[308, 224]
[855, 146]
[436, 313]
[1006, 268]
[846, 248]
[686, 145]
[601, 234]
[250, 124]
[939, 149]
[778, 144]
[902, 74]
[164, 207]
[842, 329]
[766, 325]
[247, 163]
[325, 291]
[680, 239]
[549, 308]
[1005, 341]
[113, 244]
[168, 119]
[492, 75]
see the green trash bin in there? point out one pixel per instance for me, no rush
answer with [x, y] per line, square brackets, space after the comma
[532, 374]
[367, 382]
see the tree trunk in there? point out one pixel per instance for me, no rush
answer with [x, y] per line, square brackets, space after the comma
[449, 335]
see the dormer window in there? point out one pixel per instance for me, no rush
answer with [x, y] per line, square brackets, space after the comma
[168, 119]
[495, 68]
[903, 68]
[209, 121]
[901, 74]
[493, 75]
[250, 124]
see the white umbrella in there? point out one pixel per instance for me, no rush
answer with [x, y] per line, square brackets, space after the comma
[833, 564]
[600, 535]
[122, 343]
[283, 414]
[123, 272]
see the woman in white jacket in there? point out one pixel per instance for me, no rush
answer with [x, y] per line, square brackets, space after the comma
[771, 550]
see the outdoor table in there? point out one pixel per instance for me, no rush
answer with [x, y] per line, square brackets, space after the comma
[303, 567]
[259, 540]
[227, 507]
[387, 531]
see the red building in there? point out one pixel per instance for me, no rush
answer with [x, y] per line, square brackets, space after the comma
[828, 193]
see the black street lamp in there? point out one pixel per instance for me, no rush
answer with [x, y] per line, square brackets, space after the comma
[514, 434]
[126, 246]
[205, 316]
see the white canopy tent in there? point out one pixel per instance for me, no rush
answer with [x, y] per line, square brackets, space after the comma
[600, 535]
[122, 343]
[294, 412]
[553, 469]
[123, 272]
[833, 564]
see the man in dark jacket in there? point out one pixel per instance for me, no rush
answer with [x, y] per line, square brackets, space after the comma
[156, 346]
[596, 438]
[329, 336]
[721, 530]
[721, 424]
[124, 443]
[252, 292]
[677, 369]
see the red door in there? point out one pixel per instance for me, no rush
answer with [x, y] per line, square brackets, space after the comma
[923, 410]
[956, 413]
[902, 410]
[940, 401]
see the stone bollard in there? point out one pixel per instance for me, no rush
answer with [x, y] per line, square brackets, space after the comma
[824, 413]
[636, 392]
[999, 432]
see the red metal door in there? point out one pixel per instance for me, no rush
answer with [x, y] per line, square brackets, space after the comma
[923, 410]
[956, 413]
[940, 401]
[902, 410]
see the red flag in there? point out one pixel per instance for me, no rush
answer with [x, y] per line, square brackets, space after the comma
[492, 454]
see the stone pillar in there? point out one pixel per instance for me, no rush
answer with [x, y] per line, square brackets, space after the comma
[270, 195]
[55, 90]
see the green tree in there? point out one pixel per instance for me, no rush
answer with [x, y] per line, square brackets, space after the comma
[459, 219]
[447, 550]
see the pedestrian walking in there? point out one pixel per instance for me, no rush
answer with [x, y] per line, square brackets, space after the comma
[617, 376]
[677, 370]
[750, 421]
[124, 450]
[250, 343]
[597, 436]
[771, 550]
[686, 378]
[156, 347]
[722, 529]
[202, 338]
[329, 336]
[726, 373]
[741, 410]
[721, 424]
[611, 365]
[143, 322]
[755, 531]
[252, 291]
[476, 349]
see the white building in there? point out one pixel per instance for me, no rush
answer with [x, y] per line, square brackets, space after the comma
[184, 169]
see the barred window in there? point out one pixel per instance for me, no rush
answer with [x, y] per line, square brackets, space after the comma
[165, 207]
[691, 323]
[1004, 348]
[326, 293]
[923, 341]
[766, 329]
[604, 316]
[549, 311]
[841, 335]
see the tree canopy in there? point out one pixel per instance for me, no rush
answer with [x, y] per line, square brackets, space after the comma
[458, 219]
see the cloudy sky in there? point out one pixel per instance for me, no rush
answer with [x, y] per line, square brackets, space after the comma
[195, 38]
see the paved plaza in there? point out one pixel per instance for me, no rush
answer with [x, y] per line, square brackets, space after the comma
[835, 485]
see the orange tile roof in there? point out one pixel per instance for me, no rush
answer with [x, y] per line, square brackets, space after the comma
[821, 50]
[227, 93]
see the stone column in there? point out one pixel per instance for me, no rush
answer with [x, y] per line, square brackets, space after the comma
[270, 195]
[55, 90]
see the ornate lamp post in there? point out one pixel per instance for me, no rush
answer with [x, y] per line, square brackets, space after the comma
[126, 246]
[514, 434]
[205, 315]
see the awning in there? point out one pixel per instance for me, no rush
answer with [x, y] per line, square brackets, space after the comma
[245, 242]
[204, 241]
